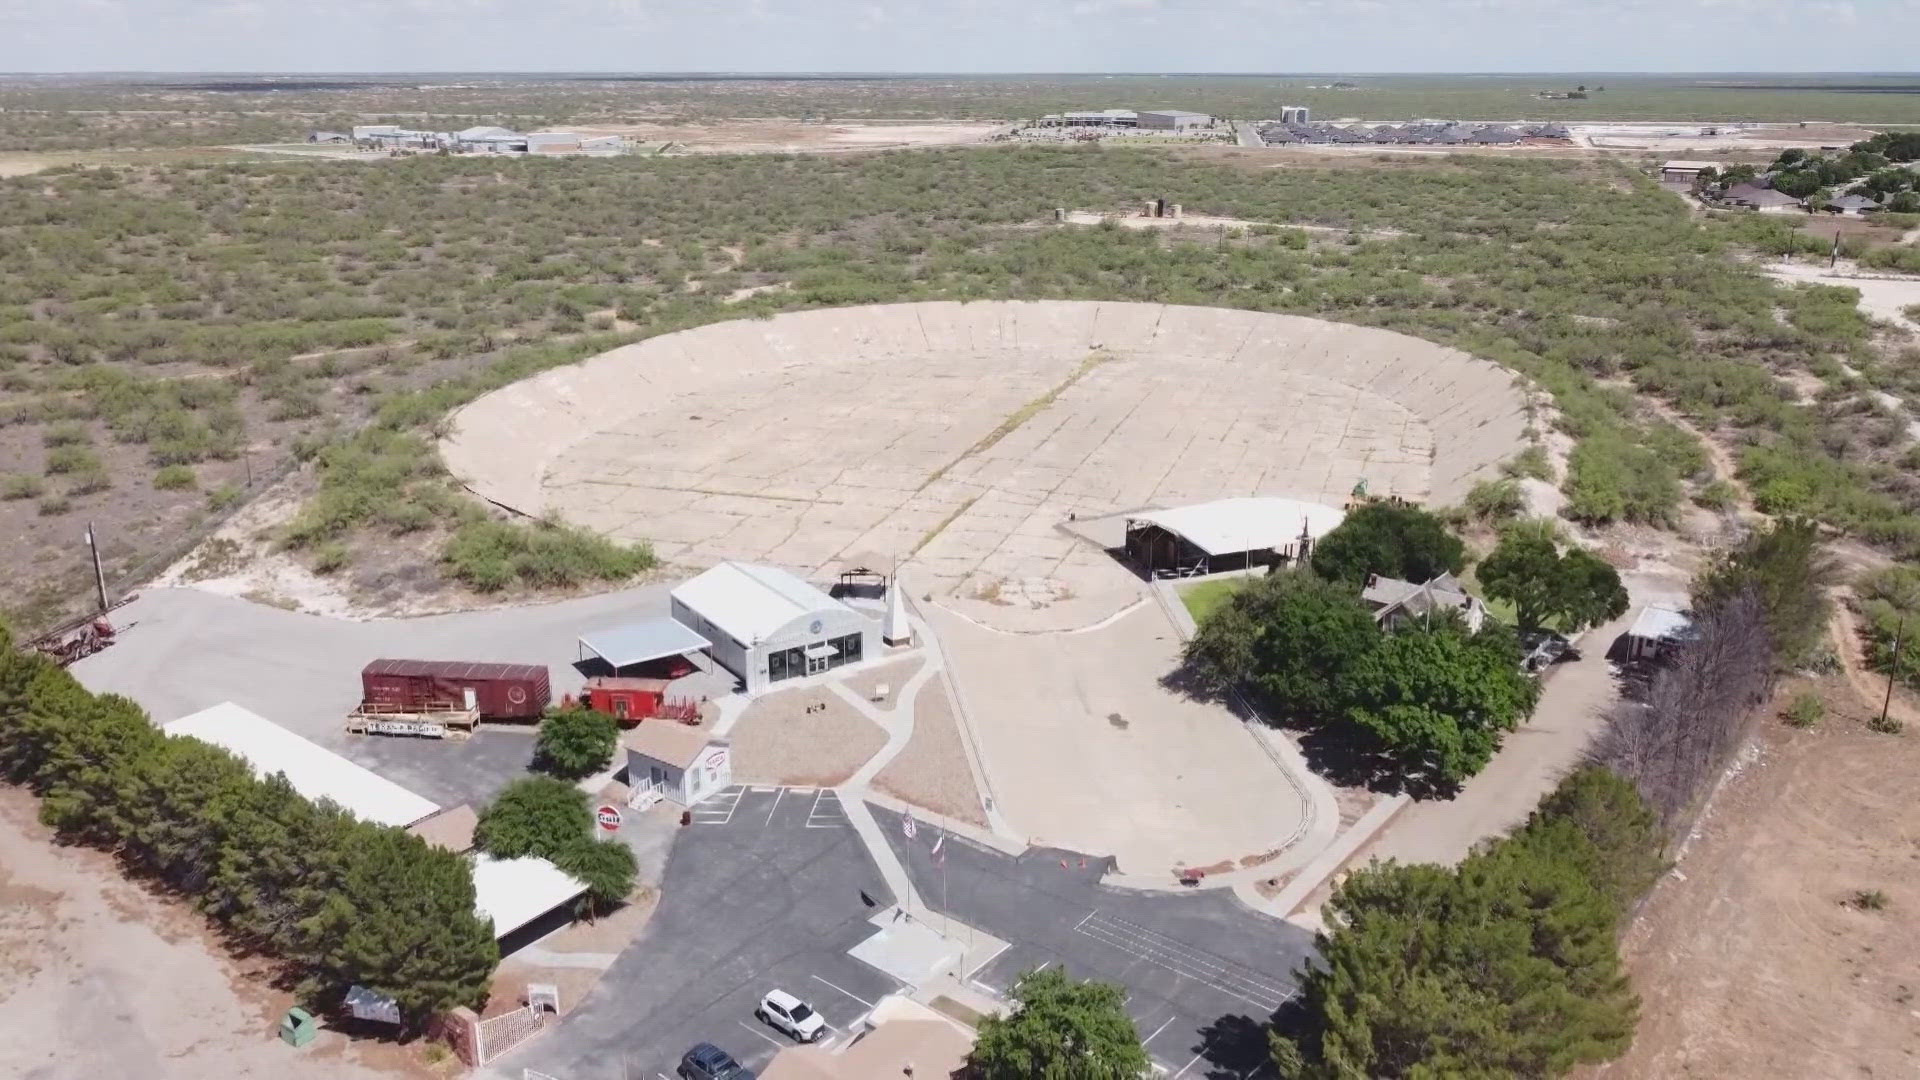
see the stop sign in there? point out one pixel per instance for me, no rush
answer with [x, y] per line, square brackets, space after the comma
[608, 816]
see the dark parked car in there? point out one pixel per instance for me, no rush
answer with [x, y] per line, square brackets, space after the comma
[708, 1062]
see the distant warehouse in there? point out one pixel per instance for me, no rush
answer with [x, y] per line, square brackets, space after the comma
[1174, 120]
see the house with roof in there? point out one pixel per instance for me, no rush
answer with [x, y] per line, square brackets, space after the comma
[1852, 205]
[1754, 195]
[1495, 135]
[766, 625]
[1655, 630]
[676, 762]
[1397, 603]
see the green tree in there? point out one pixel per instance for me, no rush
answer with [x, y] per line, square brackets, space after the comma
[1060, 1029]
[1787, 569]
[1389, 539]
[1506, 966]
[1799, 183]
[1290, 638]
[1574, 590]
[402, 924]
[1438, 700]
[575, 742]
[607, 866]
[534, 815]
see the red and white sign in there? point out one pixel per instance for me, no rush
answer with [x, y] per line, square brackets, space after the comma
[608, 817]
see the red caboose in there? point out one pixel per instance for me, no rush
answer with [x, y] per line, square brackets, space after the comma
[631, 700]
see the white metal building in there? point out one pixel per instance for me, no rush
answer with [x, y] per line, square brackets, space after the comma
[767, 625]
[1227, 534]
[515, 892]
[314, 771]
[1656, 629]
[675, 762]
[1174, 120]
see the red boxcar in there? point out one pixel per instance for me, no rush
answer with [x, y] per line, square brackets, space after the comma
[500, 691]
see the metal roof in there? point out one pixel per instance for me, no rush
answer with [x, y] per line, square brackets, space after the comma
[455, 669]
[1245, 524]
[752, 602]
[668, 741]
[1657, 622]
[639, 642]
[514, 892]
[314, 771]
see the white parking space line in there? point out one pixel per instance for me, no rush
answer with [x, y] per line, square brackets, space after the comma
[718, 809]
[1158, 1030]
[1184, 1068]
[1186, 961]
[991, 957]
[843, 990]
[777, 1044]
[775, 805]
[826, 811]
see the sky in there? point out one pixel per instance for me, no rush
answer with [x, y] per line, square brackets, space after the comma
[960, 35]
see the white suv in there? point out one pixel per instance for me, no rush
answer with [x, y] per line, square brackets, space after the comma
[791, 1015]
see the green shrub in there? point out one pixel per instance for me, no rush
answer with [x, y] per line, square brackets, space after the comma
[88, 481]
[1610, 479]
[55, 505]
[71, 459]
[1805, 710]
[1867, 900]
[175, 478]
[1716, 494]
[21, 486]
[574, 743]
[490, 555]
[330, 557]
[223, 497]
[1530, 464]
[1496, 500]
[66, 435]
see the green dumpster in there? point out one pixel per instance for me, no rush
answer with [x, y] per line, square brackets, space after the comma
[299, 1027]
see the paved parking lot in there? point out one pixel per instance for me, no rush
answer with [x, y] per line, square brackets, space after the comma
[767, 888]
[1202, 972]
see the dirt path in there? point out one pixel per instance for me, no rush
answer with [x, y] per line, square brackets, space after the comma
[99, 978]
[1870, 686]
[1750, 958]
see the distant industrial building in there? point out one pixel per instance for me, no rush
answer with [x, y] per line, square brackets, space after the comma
[1103, 118]
[1173, 120]
[1295, 114]
[1423, 133]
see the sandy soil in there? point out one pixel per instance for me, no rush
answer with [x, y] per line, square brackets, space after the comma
[893, 673]
[1750, 957]
[932, 772]
[790, 136]
[99, 978]
[777, 741]
[1882, 296]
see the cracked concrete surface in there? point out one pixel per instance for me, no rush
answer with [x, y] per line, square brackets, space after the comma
[959, 438]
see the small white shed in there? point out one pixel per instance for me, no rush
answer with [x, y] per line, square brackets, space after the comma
[1657, 628]
[682, 764]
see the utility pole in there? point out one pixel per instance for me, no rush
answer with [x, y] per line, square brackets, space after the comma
[99, 578]
[1893, 668]
[1833, 258]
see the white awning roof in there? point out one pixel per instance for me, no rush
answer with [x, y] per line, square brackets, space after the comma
[1657, 622]
[639, 642]
[752, 602]
[1226, 526]
[314, 771]
[820, 651]
[514, 892]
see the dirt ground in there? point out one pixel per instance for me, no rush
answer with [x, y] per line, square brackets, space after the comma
[1753, 958]
[779, 741]
[788, 136]
[932, 772]
[100, 978]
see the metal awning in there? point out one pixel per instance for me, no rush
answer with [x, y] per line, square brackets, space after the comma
[820, 651]
[639, 642]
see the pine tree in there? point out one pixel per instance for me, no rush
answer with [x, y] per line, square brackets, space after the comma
[402, 924]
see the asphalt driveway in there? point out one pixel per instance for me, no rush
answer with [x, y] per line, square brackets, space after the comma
[768, 888]
[1203, 973]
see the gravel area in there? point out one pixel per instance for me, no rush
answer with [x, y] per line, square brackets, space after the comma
[894, 673]
[932, 771]
[778, 741]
